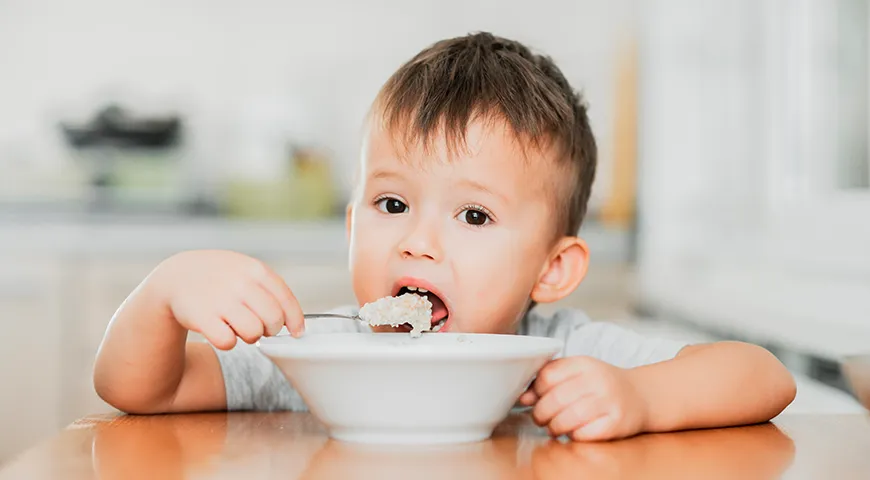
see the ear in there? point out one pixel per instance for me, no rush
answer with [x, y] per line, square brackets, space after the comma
[563, 272]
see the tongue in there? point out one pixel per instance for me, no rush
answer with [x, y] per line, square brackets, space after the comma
[439, 310]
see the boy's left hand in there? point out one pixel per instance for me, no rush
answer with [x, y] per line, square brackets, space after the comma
[586, 399]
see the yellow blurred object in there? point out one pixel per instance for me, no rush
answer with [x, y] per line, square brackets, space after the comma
[313, 192]
[258, 199]
[307, 193]
[619, 208]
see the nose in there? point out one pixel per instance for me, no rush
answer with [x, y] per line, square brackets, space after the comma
[422, 241]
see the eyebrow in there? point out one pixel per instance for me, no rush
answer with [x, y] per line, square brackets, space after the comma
[377, 174]
[483, 188]
[474, 185]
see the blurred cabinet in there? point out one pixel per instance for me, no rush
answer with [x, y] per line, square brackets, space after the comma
[101, 284]
[317, 286]
[55, 307]
[104, 282]
[30, 358]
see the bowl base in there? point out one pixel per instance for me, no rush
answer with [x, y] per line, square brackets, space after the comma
[410, 437]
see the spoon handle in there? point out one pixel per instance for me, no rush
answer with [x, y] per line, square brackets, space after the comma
[332, 315]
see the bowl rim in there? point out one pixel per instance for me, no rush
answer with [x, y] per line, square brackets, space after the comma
[280, 347]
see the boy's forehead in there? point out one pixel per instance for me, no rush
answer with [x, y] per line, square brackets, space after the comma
[490, 154]
[484, 141]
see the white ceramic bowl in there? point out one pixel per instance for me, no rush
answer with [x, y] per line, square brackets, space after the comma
[389, 388]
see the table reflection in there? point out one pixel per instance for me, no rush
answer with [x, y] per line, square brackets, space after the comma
[292, 445]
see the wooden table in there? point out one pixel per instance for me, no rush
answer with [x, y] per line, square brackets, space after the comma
[294, 445]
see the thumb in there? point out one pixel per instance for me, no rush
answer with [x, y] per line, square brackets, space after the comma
[528, 398]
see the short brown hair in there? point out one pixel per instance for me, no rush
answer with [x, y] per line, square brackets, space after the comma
[451, 83]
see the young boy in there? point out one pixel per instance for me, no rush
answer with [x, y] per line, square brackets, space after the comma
[475, 173]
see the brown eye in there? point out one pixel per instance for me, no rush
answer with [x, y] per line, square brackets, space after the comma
[392, 206]
[474, 217]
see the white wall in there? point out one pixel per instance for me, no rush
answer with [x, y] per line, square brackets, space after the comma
[247, 66]
[742, 227]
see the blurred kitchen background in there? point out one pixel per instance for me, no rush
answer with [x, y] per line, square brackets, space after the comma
[733, 199]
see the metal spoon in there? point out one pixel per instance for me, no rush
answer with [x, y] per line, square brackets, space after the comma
[338, 315]
[334, 315]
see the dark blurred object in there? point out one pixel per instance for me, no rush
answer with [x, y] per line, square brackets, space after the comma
[857, 371]
[133, 163]
[114, 126]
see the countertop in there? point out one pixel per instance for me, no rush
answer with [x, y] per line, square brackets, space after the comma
[108, 234]
[294, 445]
[160, 235]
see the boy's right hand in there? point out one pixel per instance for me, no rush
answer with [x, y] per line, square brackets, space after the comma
[222, 295]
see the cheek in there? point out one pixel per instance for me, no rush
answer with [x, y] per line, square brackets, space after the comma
[369, 252]
[496, 272]
[494, 256]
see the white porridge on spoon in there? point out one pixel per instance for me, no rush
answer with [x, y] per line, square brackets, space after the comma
[411, 309]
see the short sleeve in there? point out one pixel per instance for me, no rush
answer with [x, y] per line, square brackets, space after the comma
[604, 341]
[253, 382]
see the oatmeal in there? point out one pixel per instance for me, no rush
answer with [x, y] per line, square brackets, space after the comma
[409, 308]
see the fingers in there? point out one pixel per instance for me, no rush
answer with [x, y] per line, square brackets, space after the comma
[244, 322]
[293, 317]
[558, 399]
[528, 398]
[219, 334]
[583, 418]
[257, 314]
[582, 397]
[266, 307]
[557, 371]
[575, 417]
[600, 428]
[227, 295]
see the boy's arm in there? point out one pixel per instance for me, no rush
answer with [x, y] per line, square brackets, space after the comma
[146, 365]
[715, 385]
[712, 385]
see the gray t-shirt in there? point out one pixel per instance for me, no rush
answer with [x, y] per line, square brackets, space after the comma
[253, 382]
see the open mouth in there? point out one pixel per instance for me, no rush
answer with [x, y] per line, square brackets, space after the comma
[440, 312]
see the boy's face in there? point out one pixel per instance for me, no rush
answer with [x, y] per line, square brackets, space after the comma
[474, 229]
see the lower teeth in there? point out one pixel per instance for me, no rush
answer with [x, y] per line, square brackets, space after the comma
[438, 326]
